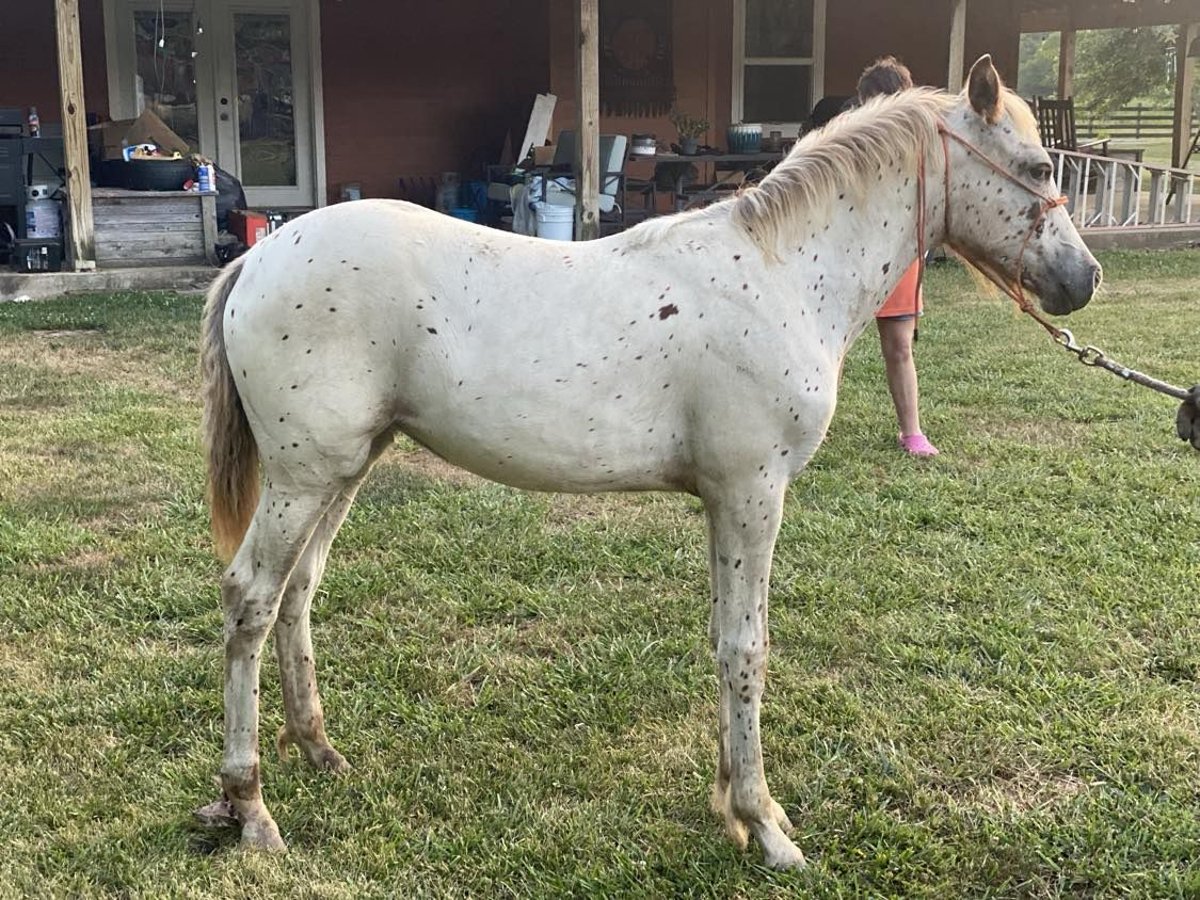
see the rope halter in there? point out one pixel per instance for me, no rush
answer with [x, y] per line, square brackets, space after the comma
[1045, 205]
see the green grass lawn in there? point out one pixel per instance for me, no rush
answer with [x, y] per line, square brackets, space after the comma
[984, 679]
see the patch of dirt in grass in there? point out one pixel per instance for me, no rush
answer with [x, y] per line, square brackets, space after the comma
[1019, 793]
[1044, 432]
[61, 477]
[566, 511]
[83, 560]
[543, 638]
[66, 332]
[81, 355]
[23, 670]
[130, 512]
[419, 461]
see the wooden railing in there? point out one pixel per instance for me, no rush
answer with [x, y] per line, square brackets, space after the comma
[1109, 192]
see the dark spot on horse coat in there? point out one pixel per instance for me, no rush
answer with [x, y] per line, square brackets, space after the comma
[886, 266]
[667, 311]
[431, 330]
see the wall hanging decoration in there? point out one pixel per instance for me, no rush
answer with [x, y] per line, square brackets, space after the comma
[637, 77]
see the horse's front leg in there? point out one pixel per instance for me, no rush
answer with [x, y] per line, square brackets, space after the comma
[743, 522]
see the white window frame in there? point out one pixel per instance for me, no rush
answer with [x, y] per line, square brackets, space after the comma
[816, 62]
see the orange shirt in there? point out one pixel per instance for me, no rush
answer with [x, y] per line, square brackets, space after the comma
[905, 299]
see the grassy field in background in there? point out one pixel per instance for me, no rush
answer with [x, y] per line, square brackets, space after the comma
[983, 679]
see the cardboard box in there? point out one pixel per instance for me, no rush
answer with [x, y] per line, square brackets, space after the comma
[249, 226]
[543, 156]
[111, 138]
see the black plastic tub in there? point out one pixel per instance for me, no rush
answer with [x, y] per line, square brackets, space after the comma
[145, 174]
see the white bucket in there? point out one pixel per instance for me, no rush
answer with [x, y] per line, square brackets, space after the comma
[43, 219]
[557, 223]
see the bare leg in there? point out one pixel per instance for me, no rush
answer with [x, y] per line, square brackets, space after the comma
[293, 645]
[896, 342]
[745, 534]
[250, 591]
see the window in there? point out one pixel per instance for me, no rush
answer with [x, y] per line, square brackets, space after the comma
[778, 60]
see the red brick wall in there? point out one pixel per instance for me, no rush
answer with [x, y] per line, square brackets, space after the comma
[29, 58]
[414, 89]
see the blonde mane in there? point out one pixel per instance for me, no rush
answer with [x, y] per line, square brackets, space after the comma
[847, 153]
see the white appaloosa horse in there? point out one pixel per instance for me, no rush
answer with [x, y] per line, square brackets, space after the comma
[697, 353]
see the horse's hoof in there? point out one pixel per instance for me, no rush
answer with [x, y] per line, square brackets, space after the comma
[783, 856]
[323, 758]
[218, 814]
[329, 760]
[262, 836]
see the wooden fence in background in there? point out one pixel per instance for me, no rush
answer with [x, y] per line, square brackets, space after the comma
[1135, 121]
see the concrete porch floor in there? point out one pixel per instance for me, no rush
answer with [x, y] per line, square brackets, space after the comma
[16, 286]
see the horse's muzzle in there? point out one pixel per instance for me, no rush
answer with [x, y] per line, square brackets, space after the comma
[1069, 290]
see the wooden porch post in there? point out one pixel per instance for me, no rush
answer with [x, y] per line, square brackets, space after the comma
[1066, 63]
[587, 119]
[1184, 77]
[958, 44]
[81, 239]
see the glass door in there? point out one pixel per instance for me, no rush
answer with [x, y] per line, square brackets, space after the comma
[264, 114]
[229, 77]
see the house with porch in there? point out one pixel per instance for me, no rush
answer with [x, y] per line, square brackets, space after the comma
[302, 98]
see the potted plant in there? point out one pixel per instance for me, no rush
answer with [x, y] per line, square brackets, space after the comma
[690, 128]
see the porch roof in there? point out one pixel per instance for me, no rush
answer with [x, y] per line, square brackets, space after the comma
[1083, 15]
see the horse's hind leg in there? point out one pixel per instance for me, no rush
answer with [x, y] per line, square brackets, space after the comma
[305, 721]
[250, 592]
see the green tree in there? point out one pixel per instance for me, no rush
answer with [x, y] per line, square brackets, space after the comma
[1115, 66]
[1112, 66]
[1037, 75]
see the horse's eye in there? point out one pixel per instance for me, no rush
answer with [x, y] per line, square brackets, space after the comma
[1042, 171]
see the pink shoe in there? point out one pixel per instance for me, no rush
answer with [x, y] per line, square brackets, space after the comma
[917, 445]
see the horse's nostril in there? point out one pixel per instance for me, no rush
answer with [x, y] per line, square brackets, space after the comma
[1097, 276]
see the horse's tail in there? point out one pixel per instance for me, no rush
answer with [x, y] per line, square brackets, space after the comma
[229, 445]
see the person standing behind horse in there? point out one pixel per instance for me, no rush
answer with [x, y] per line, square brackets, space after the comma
[897, 318]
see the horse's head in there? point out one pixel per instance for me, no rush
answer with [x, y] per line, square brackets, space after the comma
[1003, 213]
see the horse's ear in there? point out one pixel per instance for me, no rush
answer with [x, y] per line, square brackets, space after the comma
[983, 89]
